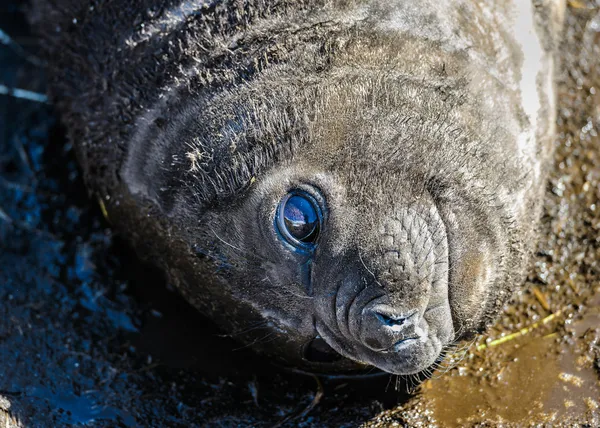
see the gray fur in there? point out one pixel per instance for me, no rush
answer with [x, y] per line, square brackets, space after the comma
[407, 116]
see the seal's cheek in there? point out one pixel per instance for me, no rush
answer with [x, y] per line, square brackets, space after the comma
[472, 276]
[268, 240]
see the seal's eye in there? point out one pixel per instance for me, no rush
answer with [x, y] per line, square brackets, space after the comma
[298, 219]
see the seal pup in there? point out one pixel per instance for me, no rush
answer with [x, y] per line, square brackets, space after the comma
[340, 184]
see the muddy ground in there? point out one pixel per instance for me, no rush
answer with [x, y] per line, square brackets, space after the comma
[91, 336]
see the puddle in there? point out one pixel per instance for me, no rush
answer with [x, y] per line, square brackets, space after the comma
[540, 381]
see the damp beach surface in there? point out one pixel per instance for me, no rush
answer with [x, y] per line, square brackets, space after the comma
[90, 335]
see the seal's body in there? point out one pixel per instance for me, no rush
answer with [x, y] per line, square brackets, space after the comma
[337, 182]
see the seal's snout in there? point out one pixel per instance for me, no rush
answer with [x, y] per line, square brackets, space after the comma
[383, 327]
[385, 303]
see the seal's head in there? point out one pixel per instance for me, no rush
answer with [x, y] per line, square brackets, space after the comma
[336, 183]
[353, 235]
[371, 267]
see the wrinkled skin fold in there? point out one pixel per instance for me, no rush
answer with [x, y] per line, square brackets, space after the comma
[422, 133]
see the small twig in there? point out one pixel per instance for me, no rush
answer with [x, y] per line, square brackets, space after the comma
[16, 48]
[316, 400]
[253, 387]
[519, 333]
[5, 217]
[23, 155]
[541, 298]
[12, 185]
[576, 4]
[24, 226]
[23, 94]
[103, 209]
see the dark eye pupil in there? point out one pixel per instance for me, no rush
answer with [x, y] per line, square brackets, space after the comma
[300, 218]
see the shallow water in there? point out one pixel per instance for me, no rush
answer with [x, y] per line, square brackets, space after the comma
[89, 335]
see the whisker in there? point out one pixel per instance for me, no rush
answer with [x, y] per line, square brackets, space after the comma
[289, 291]
[251, 258]
[388, 383]
[254, 342]
[453, 356]
[256, 326]
[225, 242]
[369, 270]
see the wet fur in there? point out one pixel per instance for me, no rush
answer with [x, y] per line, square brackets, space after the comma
[251, 88]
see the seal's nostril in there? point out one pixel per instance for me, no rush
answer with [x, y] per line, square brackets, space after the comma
[383, 326]
[388, 320]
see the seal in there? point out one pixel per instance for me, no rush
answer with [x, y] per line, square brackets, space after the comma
[340, 184]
